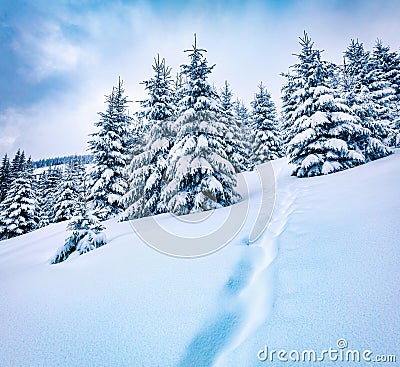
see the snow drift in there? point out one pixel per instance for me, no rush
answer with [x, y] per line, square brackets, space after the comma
[327, 267]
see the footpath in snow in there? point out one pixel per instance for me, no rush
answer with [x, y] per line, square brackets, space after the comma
[336, 279]
[126, 304]
[325, 268]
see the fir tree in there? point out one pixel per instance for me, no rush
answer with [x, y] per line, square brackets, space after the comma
[379, 82]
[394, 77]
[326, 131]
[370, 142]
[5, 177]
[177, 89]
[237, 148]
[147, 169]
[226, 98]
[396, 135]
[159, 105]
[356, 65]
[289, 103]
[359, 98]
[69, 192]
[110, 146]
[47, 192]
[17, 164]
[241, 114]
[201, 177]
[42, 209]
[17, 211]
[86, 235]
[266, 143]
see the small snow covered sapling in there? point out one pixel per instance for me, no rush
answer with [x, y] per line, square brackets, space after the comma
[86, 236]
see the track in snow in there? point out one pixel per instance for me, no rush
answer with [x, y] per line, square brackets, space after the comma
[248, 296]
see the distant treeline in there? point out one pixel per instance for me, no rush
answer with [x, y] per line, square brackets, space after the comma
[85, 159]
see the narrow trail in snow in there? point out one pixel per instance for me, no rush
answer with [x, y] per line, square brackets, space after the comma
[248, 296]
[257, 296]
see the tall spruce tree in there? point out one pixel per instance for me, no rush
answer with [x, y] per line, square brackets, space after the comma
[18, 164]
[110, 149]
[326, 131]
[378, 83]
[355, 92]
[200, 174]
[177, 88]
[49, 192]
[237, 147]
[146, 171]
[382, 79]
[394, 76]
[371, 142]
[243, 119]
[241, 114]
[43, 216]
[356, 65]
[69, 192]
[5, 177]
[289, 103]
[17, 211]
[266, 143]
[226, 98]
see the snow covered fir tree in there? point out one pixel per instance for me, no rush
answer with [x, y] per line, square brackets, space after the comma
[146, 171]
[110, 149]
[50, 181]
[17, 210]
[43, 207]
[290, 86]
[34, 200]
[326, 136]
[266, 143]
[69, 192]
[382, 80]
[86, 235]
[199, 173]
[5, 177]
[358, 96]
[238, 148]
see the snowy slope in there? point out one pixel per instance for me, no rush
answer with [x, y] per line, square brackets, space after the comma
[337, 275]
[327, 267]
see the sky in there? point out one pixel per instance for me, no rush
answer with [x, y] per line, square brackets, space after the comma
[59, 59]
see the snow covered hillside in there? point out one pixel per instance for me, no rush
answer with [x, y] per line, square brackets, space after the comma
[327, 267]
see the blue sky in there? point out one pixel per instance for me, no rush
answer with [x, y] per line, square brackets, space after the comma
[58, 59]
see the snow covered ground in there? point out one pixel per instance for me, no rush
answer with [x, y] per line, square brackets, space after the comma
[326, 268]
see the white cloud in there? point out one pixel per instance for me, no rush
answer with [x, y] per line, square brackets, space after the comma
[249, 45]
[55, 126]
[45, 50]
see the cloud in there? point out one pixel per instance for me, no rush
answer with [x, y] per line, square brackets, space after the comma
[46, 51]
[76, 53]
[52, 127]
